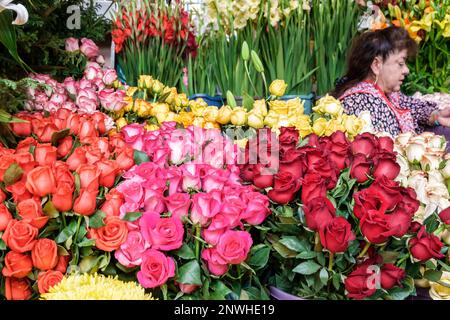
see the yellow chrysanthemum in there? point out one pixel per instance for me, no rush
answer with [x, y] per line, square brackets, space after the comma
[95, 287]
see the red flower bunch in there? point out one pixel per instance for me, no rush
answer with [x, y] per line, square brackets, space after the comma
[173, 26]
[61, 168]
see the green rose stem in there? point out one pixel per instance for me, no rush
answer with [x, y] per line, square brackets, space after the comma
[364, 251]
[330, 262]
[197, 242]
[317, 244]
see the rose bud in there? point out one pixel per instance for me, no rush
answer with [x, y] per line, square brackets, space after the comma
[425, 246]
[17, 265]
[400, 221]
[108, 171]
[22, 129]
[125, 160]
[46, 132]
[445, 216]
[415, 227]
[45, 254]
[5, 217]
[20, 236]
[48, 279]
[358, 284]
[30, 210]
[318, 213]
[366, 144]
[313, 186]
[386, 144]
[387, 167]
[86, 202]
[188, 288]
[41, 181]
[62, 199]
[285, 187]
[113, 201]
[61, 266]
[89, 175]
[336, 235]
[360, 168]
[17, 289]
[65, 146]
[375, 227]
[76, 159]
[45, 154]
[19, 191]
[391, 276]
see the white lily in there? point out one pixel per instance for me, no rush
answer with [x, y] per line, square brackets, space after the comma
[22, 13]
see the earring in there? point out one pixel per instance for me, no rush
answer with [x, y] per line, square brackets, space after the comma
[376, 79]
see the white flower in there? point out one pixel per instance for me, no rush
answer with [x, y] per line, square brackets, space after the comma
[430, 162]
[415, 152]
[22, 13]
[403, 138]
[419, 182]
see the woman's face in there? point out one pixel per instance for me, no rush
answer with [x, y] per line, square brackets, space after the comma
[392, 71]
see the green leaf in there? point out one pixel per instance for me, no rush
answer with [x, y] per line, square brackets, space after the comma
[389, 256]
[50, 210]
[2, 245]
[433, 275]
[185, 252]
[132, 216]
[96, 220]
[190, 273]
[259, 256]
[12, 174]
[67, 232]
[336, 280]
[307, 255]
[87, 263]
[220, 290]
[86, 243]
[293, 243]
[307, 268]
[140, 157]
[323, 275]
[62, 251]
[284, 251]
[56, 136]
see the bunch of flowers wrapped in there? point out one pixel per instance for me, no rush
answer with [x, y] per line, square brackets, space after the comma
[186, 209]
[338, 200]
[153, 103]
[51, 185]
[426, 169]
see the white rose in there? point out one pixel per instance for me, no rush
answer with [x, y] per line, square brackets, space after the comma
[430, 162]
[418, 182]
[435, 176]
[403, 138]
[415, 152]
[438, 142]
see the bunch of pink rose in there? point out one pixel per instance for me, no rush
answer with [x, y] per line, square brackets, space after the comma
[44, 181]
[172, 145]
[178, 200]
[87, 47]
[84, 95]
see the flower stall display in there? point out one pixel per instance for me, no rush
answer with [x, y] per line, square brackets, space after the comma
[155, 38]
[52, 185]
[342, 226]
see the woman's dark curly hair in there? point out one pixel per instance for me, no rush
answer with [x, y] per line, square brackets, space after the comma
[367, 46]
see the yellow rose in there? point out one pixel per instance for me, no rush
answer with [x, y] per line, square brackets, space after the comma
[303, 126]
[119, 113]
[121, 122]
[130, 91]
[171, 116]
[333, 126]
[137, 104]
[259, 106]
[328, 105]
[181, 101]
[238, 116]
[198, 122]
[279, 106]
[130, 102]
[295, 106]
[210, 114]
[144, 109]
[319, 126]
[157, 87]
[145, 82]
[186, 118]
[172, 94]
[438, 291]
[224, 115]
[271, 119]
[211, 125]
[151, 127]
[242, 143]
[255, 120]
[352, 124]
[161, 116]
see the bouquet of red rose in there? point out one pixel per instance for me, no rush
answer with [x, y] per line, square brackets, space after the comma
[51, 185]
[342, 226]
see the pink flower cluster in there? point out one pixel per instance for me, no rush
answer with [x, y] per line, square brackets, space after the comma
[172, 145]
[88, 48]
[171, 198]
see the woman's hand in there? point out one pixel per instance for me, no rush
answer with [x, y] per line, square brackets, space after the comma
[442, 116]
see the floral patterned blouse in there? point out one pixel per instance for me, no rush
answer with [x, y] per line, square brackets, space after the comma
[384, 111]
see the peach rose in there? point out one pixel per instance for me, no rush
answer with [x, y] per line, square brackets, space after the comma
[17, 265]
[20, 236]
[48, 279]
[111, 236]
[41, 181]
[45, 154]
[45, 254]
[17, 289]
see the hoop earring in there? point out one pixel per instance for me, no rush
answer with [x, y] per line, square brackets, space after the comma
[376, 79]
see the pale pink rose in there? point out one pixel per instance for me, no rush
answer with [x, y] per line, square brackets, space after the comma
[216, 264]
[234, 177]
[156, 269]
[179, 144]
[93, 71]
[191, 176]
[173, 178]
[133, 135]
[71, 86]
[87, 93]
[161, 156]
[40, 101]
[234, 246]
[214, 155]
[58, 98]
[130, 253]
[85, 84]
[51, 106]
[185, 76]
[213, 178]
[204, 207]
[128, 207]
[60, 89]
[257, 209]
[169, 126]
[155, 203]
[109, 76]
[132, 191]
[100, 60]
[178, 204]
[72, 44]
[162, 233]
[89, 48]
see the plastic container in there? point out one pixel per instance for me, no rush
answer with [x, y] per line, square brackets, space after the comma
[308, 99]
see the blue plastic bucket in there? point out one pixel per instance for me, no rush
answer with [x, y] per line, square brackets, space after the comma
[308, 101]
[215, 101]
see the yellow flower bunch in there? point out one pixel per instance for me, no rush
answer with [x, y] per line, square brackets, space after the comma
[95, 287]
